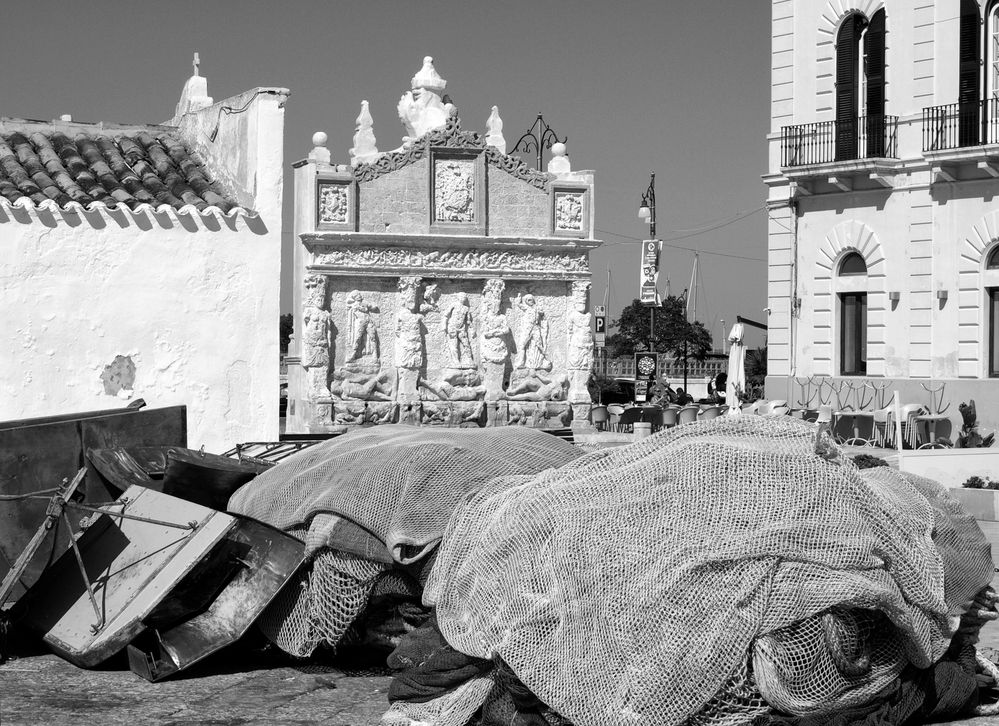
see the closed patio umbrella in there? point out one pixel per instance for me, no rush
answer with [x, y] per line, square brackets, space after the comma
[736, 368]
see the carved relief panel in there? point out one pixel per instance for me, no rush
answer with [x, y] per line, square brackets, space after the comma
[335, 204]
[457, 192]
[570, 211]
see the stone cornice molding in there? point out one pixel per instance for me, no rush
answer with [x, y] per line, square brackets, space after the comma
[451, 137]
[334, 239]
[507, 262]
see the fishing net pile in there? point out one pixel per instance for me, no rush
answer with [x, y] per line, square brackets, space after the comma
[371, 507]
[711, 574]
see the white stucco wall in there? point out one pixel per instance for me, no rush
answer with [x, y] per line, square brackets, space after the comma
[193, 301]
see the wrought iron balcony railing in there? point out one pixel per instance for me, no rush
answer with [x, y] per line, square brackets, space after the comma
[960, 125]
[865, 137]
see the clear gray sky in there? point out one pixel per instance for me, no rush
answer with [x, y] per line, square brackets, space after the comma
[679, 88]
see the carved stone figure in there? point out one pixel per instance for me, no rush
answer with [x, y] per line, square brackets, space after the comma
[362, 340]
[579, 356]
[316, 336]
[422, 109]
[457, 324]
[361, 382]
[408, 339]
[446, 390]
[493, 333]
[530, 384]
[532, 342]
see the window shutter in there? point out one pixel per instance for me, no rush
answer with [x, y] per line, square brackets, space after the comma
[847, 56]
[968, 80]
[874, 49]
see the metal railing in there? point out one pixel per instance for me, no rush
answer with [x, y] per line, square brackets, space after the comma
[668, 368]
[959, 125]
[865, 137]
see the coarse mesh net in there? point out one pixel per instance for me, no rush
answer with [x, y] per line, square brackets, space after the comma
[399, 484]
[633, 586]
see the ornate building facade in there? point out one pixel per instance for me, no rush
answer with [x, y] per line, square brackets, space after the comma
[884, 216]
[442, 283]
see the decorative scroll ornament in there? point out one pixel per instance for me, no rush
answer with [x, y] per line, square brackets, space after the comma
[451, 136]
[457, 259]
[332, 203]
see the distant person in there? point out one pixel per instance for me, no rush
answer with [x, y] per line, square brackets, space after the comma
[683, 398]
[721, 385]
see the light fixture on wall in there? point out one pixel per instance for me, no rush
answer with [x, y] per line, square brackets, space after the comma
[941, 295]
[894, 295]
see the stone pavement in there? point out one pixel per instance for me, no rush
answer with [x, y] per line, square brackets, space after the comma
[236, 688]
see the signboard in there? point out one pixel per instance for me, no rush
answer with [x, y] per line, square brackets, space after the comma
[600, 324]
[641, 390]
[649, 272]
[646, 366]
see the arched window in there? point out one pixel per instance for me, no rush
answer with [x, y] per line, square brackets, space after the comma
[860, 87]
[853, 319]
[992, 263]
[853, 264]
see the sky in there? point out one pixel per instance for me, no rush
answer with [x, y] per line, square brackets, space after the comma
[678, 88]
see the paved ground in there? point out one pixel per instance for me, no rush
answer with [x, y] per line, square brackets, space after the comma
[243, 688]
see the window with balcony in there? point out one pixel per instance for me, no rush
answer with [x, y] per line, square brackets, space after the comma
[861, 130]
[974, 119]
[860, 87]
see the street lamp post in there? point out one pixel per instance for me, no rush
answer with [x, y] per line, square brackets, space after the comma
[647, 212]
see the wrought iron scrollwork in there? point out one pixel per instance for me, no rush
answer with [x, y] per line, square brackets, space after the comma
[539, 137]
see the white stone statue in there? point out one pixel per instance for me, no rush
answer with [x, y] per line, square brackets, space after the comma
[408, 339]
[532, 342]
[580, 353]
[458, 323]
[422, 109]
[362, 334]
[316, 336]
[364, 148]
[493, 333]
[494, 131]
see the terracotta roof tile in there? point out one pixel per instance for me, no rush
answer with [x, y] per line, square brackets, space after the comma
[140, 166]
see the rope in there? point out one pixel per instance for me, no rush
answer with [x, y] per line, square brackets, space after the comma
[28, 495]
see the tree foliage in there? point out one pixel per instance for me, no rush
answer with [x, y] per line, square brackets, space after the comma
[287, 326]
[671, 330]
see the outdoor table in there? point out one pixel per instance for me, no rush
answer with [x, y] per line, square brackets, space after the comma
[931, 420]
[854, 417]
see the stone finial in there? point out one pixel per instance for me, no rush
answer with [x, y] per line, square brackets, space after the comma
[559, 163]
[319, 153]
[195, 94]
[428, 78]
[494, 131]
[364, 148]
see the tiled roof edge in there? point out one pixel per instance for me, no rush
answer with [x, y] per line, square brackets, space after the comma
[189, 210]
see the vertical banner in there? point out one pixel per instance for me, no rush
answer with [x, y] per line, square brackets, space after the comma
[649, 272]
